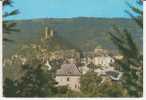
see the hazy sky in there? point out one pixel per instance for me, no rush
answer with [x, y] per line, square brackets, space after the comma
[70, 8]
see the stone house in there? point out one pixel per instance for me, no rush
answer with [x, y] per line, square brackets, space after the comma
[68, 75]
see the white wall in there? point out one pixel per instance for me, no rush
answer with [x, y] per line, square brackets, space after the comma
[103, 60]
[73, 83]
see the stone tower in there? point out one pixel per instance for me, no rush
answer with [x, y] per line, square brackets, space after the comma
[48, 33]
[51, 33]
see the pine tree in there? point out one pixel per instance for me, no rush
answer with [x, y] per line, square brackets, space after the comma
[36, 82]
[132, 63]
[8, 27]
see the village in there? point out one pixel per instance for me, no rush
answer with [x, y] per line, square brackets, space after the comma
[74, 64]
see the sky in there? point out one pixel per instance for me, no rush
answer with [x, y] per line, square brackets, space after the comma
[30, 9]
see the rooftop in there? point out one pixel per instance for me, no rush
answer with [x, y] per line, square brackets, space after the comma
[68, 70]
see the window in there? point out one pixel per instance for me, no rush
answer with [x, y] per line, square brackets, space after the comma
[68, 79]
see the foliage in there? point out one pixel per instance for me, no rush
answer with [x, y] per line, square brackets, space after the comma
[72, 33]
[112, 89]
[96, 86]
[56, 64]
[25, 54]
[10, 88]
[8, 27]
[64, 91]
[71, 93]
[36, 82]
[132, 63]
[89, 83]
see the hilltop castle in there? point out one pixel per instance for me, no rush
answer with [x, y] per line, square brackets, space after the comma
[48, 33]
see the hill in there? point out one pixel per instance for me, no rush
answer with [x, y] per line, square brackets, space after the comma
[81, 33]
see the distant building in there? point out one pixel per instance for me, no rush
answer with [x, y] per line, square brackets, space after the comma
[100, 51]
[48, 33]
[68, 75]
[87, 58]
[103, 60]
[52, 33]
[119, 57]
[84, 69]
[98, 57]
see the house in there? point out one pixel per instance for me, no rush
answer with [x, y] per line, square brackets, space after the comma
[103, 60]
[68, 75]
[102, 57]
[87, 58]
[118, 57]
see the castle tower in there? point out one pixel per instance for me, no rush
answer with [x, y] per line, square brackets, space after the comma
[51, 33]
[46, 33]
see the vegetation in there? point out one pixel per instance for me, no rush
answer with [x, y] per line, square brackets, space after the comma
[74, 33]
[32, 78]
[90, 84]
[95, 86]
[8, 27]
[26, 73]
[34, 83]
[132, 63]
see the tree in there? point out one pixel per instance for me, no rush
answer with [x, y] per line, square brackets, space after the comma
[93, 86]
[89, 84]
[8, 27]
[132, 63]
[10, 88]
[36, 82]
[111, 89]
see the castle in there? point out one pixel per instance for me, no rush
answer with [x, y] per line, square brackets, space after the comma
[48, 33]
